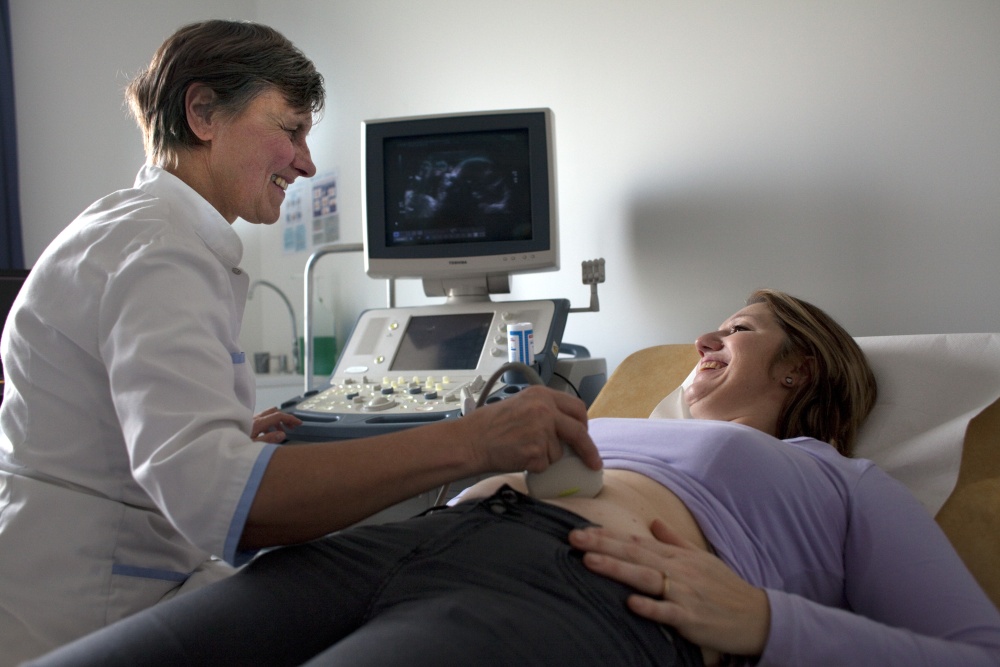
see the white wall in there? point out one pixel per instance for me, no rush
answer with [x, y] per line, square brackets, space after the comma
[848, 152]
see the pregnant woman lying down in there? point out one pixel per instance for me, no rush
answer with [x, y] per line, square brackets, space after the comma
[744, 535]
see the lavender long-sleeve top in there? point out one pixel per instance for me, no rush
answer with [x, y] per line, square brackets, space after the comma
[856, 571]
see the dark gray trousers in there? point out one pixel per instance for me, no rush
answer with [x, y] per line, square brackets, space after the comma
[489, 582]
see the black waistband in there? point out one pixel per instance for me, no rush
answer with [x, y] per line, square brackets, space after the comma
[512, 504]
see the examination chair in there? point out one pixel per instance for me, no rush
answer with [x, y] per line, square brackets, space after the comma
[935, 426]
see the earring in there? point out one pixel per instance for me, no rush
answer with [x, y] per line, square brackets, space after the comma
[789, 381]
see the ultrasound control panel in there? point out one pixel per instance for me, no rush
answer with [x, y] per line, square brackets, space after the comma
[405, 367]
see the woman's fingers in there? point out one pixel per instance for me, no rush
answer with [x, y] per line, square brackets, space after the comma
[270, 425]
[622, 558]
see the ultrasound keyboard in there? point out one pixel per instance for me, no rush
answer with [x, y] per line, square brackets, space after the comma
[403, 367]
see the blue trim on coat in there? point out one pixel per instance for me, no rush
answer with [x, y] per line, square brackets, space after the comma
[148, 573]
[231, 553]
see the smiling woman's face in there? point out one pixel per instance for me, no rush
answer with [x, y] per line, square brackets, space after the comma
[737, 379]
[255, 156]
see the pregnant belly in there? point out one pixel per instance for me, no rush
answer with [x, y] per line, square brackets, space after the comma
[628, 503]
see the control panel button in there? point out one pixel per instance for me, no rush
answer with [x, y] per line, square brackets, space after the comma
[379, 403]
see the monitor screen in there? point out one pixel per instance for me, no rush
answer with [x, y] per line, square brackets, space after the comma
[460, 201]
[453, 342]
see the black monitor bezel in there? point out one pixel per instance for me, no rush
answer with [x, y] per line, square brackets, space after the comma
[538, 126]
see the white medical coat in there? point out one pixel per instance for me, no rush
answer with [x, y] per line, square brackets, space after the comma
[126, 460]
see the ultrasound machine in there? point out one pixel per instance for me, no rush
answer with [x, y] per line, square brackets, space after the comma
[461, 202]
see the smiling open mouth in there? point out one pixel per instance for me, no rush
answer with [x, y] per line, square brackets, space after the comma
[711, 365]
[279, 181]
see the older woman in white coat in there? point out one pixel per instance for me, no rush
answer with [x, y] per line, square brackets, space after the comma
[128, 459]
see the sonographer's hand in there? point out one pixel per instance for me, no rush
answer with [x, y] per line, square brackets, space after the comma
[271, 424]
[526, 431]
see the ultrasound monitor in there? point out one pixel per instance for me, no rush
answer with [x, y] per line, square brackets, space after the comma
[460, 201]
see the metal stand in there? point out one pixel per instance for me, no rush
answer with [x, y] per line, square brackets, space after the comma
[593, 274]
[307, 359]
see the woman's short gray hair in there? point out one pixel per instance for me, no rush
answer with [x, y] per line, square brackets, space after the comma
[238, 60]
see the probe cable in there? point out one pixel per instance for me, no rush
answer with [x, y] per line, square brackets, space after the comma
[511, 366]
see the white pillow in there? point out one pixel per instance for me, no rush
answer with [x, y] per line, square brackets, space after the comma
[929, 388]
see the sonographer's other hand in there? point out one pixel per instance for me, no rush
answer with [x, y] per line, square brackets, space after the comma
[271, 424]
[526, 431]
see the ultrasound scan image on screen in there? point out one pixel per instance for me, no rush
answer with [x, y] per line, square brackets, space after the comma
[449, 342]
[458, 188]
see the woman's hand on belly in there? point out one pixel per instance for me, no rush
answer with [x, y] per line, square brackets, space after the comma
[681, 585]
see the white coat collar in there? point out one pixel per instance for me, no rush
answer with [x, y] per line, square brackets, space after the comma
[207, 222]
